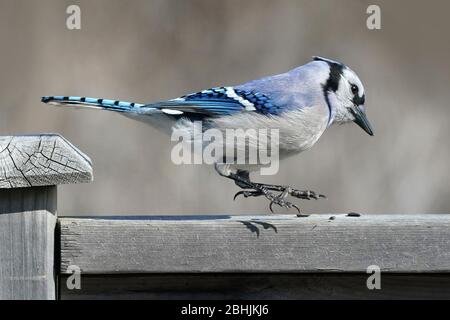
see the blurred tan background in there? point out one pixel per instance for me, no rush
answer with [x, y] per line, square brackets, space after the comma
[150, 50]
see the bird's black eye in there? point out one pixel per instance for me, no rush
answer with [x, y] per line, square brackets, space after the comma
[355, 89]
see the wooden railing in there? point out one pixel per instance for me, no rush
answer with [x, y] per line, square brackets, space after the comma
[243, 257]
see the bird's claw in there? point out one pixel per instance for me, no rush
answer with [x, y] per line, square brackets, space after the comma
[248, 193]
[284, 204]
[280, 200]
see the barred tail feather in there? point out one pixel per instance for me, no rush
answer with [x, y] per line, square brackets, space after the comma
[94, 103]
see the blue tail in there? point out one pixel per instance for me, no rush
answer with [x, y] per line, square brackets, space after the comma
[107, 104]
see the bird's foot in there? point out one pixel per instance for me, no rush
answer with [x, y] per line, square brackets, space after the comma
[300, 194]
[280, 200]
[253, 189]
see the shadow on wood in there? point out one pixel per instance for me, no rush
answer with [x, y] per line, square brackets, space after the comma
[258, 286]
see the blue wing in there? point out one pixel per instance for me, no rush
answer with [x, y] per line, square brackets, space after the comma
[216, 102]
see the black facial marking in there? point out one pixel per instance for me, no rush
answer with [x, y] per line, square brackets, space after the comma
[358, 101]
[332, 83]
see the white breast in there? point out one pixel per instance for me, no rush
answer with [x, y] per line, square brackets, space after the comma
[298, 129]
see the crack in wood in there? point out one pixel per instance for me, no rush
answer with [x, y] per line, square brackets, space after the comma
[39, 160]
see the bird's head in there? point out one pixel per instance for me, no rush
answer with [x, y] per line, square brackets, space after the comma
[344, 93]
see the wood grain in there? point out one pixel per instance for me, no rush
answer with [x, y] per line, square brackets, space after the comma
[259, 244]
[41, 160]
[27, 225]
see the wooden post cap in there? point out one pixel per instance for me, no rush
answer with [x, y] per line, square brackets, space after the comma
[41, 160]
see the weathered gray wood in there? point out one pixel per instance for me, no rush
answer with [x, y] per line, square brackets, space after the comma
[41, 160]
[258, 286]
[30, 169]
[27, 224]
[396, 243]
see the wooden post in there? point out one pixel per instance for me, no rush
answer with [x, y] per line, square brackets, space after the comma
[30, 169]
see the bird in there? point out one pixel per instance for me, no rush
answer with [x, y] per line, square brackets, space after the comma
[301, 104]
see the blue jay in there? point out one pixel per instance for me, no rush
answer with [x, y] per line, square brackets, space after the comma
[301, 104]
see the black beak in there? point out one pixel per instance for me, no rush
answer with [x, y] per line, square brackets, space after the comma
[361, 119]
